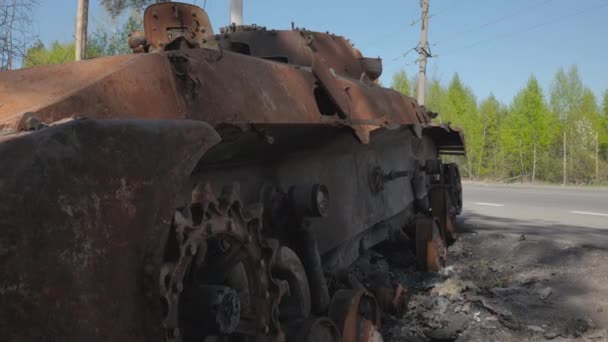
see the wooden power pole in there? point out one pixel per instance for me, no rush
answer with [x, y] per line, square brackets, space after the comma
[81, 29]
[423, 51]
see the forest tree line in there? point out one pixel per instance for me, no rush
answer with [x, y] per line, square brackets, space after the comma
[20, 46]
[529, 138]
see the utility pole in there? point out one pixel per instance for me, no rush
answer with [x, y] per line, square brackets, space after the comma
[81, 29]
[423, 51]
[236, 12]
[564, 171]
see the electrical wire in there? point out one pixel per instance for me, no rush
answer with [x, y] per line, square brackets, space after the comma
[531, 28]
[478, 27]
[499, 19]
[453, 4]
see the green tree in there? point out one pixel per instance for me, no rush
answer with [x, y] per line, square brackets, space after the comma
[434, 96]
[579, 114]
[585, 129]
[604, 134]
[103, 42]
[459, 106]
[527, 131]
[16, 31]
[605, 104]
[117, 7]
[56, 53]
[566, 93]
[459, 101]
[525, 139]
[604, 117]
[110, 42]
[490, 114]
[401, 83]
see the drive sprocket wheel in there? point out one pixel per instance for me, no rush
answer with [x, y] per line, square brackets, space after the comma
[215, 280]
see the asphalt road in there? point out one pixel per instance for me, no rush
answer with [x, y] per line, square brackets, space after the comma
[550, 236]
[538, 205]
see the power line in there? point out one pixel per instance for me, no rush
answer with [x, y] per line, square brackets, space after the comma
[423, 48]
[453, 4]
[499, 19]
[510, 34]
[475, 28]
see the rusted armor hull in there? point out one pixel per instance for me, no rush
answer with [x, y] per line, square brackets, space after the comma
[208, 189]
[84, 210]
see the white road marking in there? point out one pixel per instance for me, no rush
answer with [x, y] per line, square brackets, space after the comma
[588, 213]
[490, 204]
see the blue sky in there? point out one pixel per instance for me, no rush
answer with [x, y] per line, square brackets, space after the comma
[493, 45]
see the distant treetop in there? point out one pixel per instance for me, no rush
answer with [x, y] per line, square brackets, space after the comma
[117, 7]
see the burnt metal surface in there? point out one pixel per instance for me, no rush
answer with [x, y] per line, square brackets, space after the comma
[198, 84]
[166, 24]
[449, 140]
[133, 224]
[357, 314]
[392, 300]
[190, 262]
[313, 329]
[431, 249]
[84, 208]
[322, 83]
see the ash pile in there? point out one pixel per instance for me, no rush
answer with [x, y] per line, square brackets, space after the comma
[476, 298]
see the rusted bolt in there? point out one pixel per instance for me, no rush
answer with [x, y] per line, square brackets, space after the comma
[193, 13]
[154, 15]
[202, 29]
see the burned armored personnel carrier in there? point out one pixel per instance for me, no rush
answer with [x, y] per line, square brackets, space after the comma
[210, 187]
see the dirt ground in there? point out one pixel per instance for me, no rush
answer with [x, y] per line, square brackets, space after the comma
[506, 281]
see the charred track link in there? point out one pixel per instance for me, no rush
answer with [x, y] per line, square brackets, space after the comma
[206, 221]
